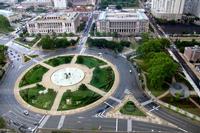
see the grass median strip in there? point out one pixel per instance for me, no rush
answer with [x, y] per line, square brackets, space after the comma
[130, 109]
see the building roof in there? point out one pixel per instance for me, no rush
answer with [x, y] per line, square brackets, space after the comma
[125, 14]
[58, 15]
[6, 13]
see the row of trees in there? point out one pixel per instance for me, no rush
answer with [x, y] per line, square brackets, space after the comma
[103, 43]
[182, 44]
[119, 3]
[160, 66]
[4, 25]
[2, 54]
[48, 42]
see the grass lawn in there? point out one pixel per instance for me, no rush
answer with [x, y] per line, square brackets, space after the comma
[34, 75]
[89, 61]
[59, 60]
[130, 109]
[103, 78]
[184, 104]
[29, 43]
[2, 123]
[158, 91]
[82, 97]
[42, 101]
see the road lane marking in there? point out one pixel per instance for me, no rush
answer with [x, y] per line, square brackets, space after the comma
[116, 127]
[154, 108]
[61, 122]
[182, 130]
[115, 99]
[147, 102]
[44, 121]
[109, 105]
[129, 125]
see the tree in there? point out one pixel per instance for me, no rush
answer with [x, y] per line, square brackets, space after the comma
[118, 7]
[160, 68]
[46, 42]
[2, 123]
[4, 24]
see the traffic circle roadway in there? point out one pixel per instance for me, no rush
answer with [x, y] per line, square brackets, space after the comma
[87, 120]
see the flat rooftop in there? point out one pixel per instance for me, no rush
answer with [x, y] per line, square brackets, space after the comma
[125, 14]
[57, 15]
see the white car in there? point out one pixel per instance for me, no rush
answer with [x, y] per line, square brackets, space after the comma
[26, 112]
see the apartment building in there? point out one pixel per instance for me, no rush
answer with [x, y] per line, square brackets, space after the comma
[168, 9]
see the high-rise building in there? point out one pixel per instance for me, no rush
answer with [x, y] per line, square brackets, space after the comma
[168, 9]
[60, 4]
[192, 7]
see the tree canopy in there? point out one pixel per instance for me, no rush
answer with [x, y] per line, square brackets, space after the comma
[4, 24]
[153, 45]
[160, 68]
[48, 42]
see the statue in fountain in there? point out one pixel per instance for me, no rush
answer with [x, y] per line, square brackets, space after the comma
[67, 75]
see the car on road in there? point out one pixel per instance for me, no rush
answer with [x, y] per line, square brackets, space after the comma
[26, 112]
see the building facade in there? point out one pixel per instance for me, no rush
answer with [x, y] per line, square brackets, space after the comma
[57, 22]
[60, 4]
[167, 9]
[192, 7]
[83, 2]
[37, 3]
[11, 16]
[124, 22]
[192, 54]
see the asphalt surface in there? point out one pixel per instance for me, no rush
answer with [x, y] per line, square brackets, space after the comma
[91, 119]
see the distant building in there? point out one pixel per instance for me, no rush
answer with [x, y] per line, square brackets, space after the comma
[9, 1]
[60, 4]
[192, 7]
[192, 54]
[124, 22]
[11, 16]
[83, 2]
[56, 22]
[37, 3]
[168, 9]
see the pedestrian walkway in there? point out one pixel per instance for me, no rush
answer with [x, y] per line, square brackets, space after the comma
[46, 65]
[74, 59]
[57, 100]
[96, 90]
[29, 86]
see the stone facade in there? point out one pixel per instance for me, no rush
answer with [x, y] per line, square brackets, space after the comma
[125, 22]
[57, 22]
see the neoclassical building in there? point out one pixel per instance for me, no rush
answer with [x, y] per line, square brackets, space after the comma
[124, 22]
[56, 22]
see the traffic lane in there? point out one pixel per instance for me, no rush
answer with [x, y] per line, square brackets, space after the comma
[177, 120]
[151, 127]
[52, 122]
[89, 124]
